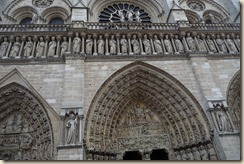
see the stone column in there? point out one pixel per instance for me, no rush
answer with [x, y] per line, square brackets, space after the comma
[129, 44]
[173, 43]
[95, 44]
[21, 48]
[62, 131]
[153, 48]
[141, 46]
[118, 44]
[81, 117]
[70, 34]
[106, 42]
[162, 42]
[11, 40]
[58, 46]
[46, 47]
[35, 38]
[83, 43]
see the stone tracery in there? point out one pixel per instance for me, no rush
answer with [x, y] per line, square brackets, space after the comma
[113, 117]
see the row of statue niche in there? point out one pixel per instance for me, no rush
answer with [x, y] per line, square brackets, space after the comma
[165, 45]
[203, 152]
[30, 49]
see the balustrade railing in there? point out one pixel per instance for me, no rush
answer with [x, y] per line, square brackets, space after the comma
[23, 41]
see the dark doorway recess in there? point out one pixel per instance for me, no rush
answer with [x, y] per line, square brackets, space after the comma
[132, 155]
[159, 154]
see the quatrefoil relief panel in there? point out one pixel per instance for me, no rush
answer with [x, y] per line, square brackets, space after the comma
[42, 3]
[196, 5]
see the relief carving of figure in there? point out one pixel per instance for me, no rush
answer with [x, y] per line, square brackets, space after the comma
[124, 45]
[221, 44]
[189, 154]
[196, 154]
[89, 45]
[178, 45]
[100, 44]
[15, 48]
[76, 43]
[168, 44]
[178, 157]
[71, 125]
[121, 16]
[201, 44]
[183, 155]
[4, 47]
[28, 47]
[238, 41]
[64, 46]
[231, 44]
[211, 45]
[112, 44]
[211, 152]
[203, 153]
[135, 45]
[191, 43]
[34, 18]
[223, 121]
[40, 48]
[157, 45]
[52, 47]
[147, 45]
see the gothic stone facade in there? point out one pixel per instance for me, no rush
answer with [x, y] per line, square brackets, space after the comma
[109, 80]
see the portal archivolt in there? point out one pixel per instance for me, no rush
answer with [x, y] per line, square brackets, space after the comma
[141, 107]
[26, 131]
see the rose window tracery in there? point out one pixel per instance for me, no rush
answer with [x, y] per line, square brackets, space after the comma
[124, 13]
[196, 5]
[42, 3]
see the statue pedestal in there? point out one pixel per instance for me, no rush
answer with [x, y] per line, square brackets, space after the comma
[70, 152]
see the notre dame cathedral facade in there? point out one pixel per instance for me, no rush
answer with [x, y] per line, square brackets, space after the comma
[120, 80]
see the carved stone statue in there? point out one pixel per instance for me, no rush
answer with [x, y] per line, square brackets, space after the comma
[211, 152]
[231, 44]
[40, 48]
[64, 46]
[4, 47]
[196, 154]
[191, 43]
[168, 44]
[124, 45]
[178, 45]
[203, 153]
[121, 16]
[221, 44]
[34, 18]
[147, 45]
[178, 157]
[71, 125]
[222, 120]
[100, 44]
[212, 18]
[28, 47]
[76, 43]
[135, 45]
[52, 47]
[129, 15]
[211, 45]
[238, 41]
[137, 14]
[112, 44]
[158, 45]
[201, 44]
[183, 155]
[15, 48]
[189, 154]
[89, 45]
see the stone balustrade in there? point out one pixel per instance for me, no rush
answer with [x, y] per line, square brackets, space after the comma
[85, 39]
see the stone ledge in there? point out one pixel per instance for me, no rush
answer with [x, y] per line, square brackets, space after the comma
[69, 146]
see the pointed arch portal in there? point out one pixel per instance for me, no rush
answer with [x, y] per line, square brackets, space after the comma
[142, 108]
[26, 131]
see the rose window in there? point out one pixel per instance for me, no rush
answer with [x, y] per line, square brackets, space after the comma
[196, 5]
